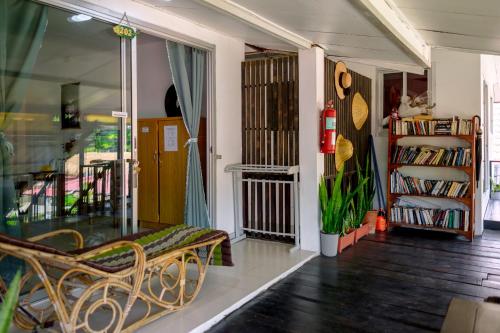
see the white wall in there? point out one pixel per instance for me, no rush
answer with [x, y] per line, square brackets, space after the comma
[457, 90]
[311, 161]
[153, 75]
[228, 55]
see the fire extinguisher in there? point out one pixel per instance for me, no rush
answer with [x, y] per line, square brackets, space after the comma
[328, 128]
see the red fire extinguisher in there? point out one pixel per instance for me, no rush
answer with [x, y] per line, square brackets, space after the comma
[328, 128]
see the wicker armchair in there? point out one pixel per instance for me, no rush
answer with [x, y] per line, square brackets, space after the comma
[96, 289]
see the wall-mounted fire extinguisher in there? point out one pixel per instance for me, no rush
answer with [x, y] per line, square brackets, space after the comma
[328, 129]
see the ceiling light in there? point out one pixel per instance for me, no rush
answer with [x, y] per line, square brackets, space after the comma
[79, 18]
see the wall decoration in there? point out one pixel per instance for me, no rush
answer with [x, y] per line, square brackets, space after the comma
[343, 152]
[124, 30]
[345, 121]
[172, 106]
[343, 80]
[359, 111]
[70, 105]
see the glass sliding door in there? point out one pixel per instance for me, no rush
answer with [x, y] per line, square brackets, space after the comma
[64, 137]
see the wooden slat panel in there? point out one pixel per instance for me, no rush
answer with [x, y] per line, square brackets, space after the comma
[345, 125]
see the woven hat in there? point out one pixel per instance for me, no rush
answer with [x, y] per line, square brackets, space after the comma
[359, 111]
[343, 80]
[343, 151]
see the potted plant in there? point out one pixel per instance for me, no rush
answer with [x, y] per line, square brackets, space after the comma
[334, 210]
[366, 217]
[349, 234]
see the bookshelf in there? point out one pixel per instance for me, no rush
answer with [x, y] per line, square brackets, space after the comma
[457, 221]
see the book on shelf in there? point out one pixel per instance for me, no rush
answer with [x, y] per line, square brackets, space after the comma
[428, 155]
[401, 184]
[440, 218]
[451, 126]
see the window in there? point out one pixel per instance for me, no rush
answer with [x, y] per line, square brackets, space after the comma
[398, 84]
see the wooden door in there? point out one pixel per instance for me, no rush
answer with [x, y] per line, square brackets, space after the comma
[173, 166]
[147, 151]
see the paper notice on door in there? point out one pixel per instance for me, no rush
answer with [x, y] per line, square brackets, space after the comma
[170, 138]
[145, 129]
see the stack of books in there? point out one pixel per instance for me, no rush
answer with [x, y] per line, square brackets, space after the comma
[441, 218]
[401, 184]
[426, 155]
[452, 126]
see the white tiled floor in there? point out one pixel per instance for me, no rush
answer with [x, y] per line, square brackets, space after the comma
[258, 264]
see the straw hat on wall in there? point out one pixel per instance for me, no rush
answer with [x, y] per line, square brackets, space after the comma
[359, 111]
[343, 151]
[343, 80]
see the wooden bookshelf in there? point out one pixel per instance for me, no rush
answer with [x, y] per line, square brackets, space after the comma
[467, 200]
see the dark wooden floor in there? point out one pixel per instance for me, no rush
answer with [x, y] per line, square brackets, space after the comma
[399, 282]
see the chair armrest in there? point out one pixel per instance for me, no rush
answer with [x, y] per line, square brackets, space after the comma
[76, 236]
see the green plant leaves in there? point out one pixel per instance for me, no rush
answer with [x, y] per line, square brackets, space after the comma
[9, 303]
[342, 210]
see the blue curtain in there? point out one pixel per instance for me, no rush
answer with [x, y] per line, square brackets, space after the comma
[188, 70]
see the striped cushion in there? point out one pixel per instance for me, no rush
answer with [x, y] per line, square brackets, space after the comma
[158, 242]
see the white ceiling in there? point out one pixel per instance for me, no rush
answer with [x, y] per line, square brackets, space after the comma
[338, 25]
[463, 24]
[218, 21]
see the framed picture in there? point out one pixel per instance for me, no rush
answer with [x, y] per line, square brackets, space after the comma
[70, 105]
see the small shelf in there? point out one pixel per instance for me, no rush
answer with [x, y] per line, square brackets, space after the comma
[428, 227]
[460, 167]
[466, 200]
[468, 137]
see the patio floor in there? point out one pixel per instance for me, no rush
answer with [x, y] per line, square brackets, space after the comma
[258, 265]
[402, 281]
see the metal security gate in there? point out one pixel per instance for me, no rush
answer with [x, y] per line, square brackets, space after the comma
[270, 148]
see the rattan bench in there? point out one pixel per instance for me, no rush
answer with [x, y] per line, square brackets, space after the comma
[117, 286]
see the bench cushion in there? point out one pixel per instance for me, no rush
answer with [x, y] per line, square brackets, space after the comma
[154, 242]
[161, 241]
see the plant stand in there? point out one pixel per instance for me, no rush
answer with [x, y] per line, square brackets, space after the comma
[346, 240]
[361, 232]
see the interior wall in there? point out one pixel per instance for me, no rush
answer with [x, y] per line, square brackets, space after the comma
[153, 76]
[228, 54]
[457, 88]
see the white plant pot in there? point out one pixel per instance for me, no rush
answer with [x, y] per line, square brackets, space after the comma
[329, 244]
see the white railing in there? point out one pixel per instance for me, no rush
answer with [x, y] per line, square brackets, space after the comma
[270, 203]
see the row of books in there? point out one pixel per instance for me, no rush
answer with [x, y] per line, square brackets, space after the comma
[441, 218]
[425, 155]
[453, 126]
[412, 185]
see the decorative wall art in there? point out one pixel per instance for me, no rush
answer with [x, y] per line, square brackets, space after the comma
[359, 111]
[343, 80]
[343, 151]
[70, 105]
